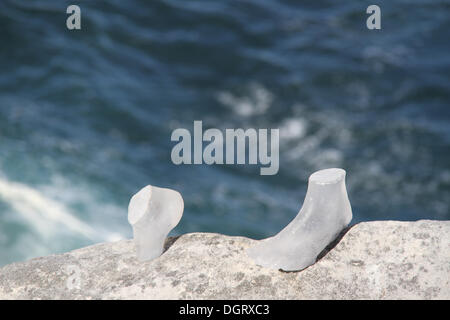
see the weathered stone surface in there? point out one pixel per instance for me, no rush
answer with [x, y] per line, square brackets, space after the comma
[373, 260]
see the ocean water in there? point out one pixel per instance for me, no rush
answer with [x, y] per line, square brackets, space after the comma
[86, 116]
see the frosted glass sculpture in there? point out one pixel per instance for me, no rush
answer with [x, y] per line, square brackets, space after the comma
[326, 211]
[153, 212]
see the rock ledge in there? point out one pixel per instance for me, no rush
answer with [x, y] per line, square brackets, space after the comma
[372, 260]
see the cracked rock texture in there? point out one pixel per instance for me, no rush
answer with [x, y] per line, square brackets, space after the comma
[371, 260]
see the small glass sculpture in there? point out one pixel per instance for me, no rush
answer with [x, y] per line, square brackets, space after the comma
[153, 212]
[326, 211]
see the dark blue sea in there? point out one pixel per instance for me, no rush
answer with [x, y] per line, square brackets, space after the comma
[86, 115]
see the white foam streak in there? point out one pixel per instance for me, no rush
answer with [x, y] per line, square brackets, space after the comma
[41, 212]
[257, 102]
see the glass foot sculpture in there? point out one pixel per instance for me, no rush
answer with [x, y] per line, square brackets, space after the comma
[153, 212]
[326, 211]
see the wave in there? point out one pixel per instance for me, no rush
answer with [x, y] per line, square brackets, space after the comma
[39, 220]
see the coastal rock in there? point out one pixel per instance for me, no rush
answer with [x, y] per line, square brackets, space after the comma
[371, 260]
